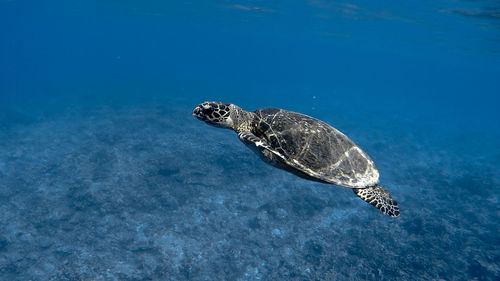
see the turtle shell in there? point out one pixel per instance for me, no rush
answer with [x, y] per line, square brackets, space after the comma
[315, 148]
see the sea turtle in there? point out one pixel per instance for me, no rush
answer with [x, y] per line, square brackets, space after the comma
[304, 146]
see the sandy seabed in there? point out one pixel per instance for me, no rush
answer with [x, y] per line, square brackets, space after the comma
[146, 192]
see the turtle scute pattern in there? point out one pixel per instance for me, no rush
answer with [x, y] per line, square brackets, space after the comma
[302, 140]
[216, 111]
[380, 199]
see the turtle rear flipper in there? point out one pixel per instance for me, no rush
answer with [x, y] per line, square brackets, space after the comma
[379, 198]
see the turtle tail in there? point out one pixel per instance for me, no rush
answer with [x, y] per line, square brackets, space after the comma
[379, 198]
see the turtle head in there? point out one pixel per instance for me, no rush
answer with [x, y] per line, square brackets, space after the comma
[217, 114]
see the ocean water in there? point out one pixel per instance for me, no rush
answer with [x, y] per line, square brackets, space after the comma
[105, 175]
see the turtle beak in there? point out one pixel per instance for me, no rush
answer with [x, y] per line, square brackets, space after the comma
[199, 113]
[196, 111]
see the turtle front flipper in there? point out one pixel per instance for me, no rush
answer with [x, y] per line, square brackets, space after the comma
[260, 147]
[275, 158]
[379, 198]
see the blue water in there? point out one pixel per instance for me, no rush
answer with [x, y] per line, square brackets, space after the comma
[105, 175]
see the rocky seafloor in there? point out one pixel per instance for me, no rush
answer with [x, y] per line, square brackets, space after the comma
[146, 192]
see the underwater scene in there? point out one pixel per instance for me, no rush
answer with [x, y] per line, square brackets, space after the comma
[105, 174]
